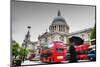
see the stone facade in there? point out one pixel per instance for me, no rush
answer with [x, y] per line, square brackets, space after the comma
[84, 34]
[58, 31]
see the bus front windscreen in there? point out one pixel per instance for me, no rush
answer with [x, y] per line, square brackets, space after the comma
[59, 50]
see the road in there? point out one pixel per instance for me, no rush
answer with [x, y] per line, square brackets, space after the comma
[27, 62]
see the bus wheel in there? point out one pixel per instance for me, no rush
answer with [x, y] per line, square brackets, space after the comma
[51, 60]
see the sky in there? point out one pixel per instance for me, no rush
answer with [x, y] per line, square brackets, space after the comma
[40, 16]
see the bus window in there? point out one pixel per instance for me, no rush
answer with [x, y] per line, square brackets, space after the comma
[59, 50]
[59, 43]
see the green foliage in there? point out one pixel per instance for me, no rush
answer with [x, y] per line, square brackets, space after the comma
[23, 52]
[15, 47]
[93, 33]
[93, 36]
[19, 52]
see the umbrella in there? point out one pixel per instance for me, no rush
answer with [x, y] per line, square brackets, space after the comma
[77, 40]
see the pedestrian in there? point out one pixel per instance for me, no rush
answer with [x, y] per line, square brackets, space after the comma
[73, 53]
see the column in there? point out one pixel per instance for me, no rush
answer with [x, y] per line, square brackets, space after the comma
[58, 28]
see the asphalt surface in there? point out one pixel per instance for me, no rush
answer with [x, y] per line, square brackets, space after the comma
[27, 62]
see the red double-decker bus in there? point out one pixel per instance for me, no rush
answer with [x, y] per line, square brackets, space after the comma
[82, 51]
[53, 53]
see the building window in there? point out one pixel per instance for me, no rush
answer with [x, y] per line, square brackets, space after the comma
[46, 39]
[61, 38]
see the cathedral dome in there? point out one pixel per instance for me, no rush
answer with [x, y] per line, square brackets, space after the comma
[59, 20]
[59, 24]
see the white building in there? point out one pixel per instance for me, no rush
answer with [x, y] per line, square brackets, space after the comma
[84, 34]
[58, 31]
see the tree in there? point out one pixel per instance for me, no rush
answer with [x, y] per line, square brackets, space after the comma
[15, 47]
[93, 33]
[23, 53]
[18, 53]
